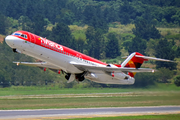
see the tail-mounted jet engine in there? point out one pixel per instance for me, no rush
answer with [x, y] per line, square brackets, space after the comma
[117, 75]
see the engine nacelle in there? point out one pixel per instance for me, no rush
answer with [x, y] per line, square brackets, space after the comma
[119, 78]
[111, 65]
[119, 75]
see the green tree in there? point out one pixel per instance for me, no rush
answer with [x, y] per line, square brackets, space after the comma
[90, 37]
[99, 23]
[95, 42]
[66, 17]
[3, 81]
[93, 16]
[145, 30]
[26, 23]
[137, 45]
[110, 16]
[80, 45]
[176, 17]
[169, 12]
[126, 13]
[99, 44]
[88, 13]
[178, 52]
[177, 80]
[62, 35]
[39, 24]
[164, 50]
[3, 24]
[143, 80]
[164, 74]
[112, 47]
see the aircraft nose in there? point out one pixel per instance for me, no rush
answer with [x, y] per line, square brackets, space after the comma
[10, 40]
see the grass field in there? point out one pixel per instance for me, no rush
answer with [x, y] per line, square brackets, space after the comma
[90, 100]
[46, 90]
[144, 117]
[52, 90]
[44, 98]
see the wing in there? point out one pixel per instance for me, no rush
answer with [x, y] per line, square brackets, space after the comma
[100, 69]
[38, 64]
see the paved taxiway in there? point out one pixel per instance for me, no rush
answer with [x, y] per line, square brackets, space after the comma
[117, 111]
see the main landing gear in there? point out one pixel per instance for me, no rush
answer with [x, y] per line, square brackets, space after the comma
[67, 76]
[80, 77]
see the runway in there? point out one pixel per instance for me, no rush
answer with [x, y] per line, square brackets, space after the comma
[85, 112]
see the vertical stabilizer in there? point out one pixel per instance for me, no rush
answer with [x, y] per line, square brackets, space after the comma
[133, 62]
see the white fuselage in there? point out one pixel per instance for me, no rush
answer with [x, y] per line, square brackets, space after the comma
[62, 61]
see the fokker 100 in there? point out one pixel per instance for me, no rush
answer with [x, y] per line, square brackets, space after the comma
[76, 65]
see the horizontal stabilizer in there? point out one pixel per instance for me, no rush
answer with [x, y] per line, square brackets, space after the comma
[153, 58]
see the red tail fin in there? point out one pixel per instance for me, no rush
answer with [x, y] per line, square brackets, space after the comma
[133, 62]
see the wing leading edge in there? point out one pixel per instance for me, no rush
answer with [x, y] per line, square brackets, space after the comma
[37, 64]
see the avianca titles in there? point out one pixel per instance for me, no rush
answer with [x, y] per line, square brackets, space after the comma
[76, 65]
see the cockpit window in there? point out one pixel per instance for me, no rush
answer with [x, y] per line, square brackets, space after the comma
[20, 34]
[24, 36]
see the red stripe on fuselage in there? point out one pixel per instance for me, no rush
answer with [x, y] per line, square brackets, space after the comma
[43, 42]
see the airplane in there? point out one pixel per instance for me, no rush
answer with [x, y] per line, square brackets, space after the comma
[75, 65]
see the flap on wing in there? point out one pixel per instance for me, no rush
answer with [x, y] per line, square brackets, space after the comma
[93, 68]
[37, 64]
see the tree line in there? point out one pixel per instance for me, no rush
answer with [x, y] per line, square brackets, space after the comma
[96, 13]
[99, 42]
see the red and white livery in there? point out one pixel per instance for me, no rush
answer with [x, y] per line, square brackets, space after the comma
[75, 64]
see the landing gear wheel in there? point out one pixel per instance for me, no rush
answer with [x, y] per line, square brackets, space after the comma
[81, 78]
[67, 76]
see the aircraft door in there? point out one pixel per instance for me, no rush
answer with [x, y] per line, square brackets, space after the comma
[32, 40]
